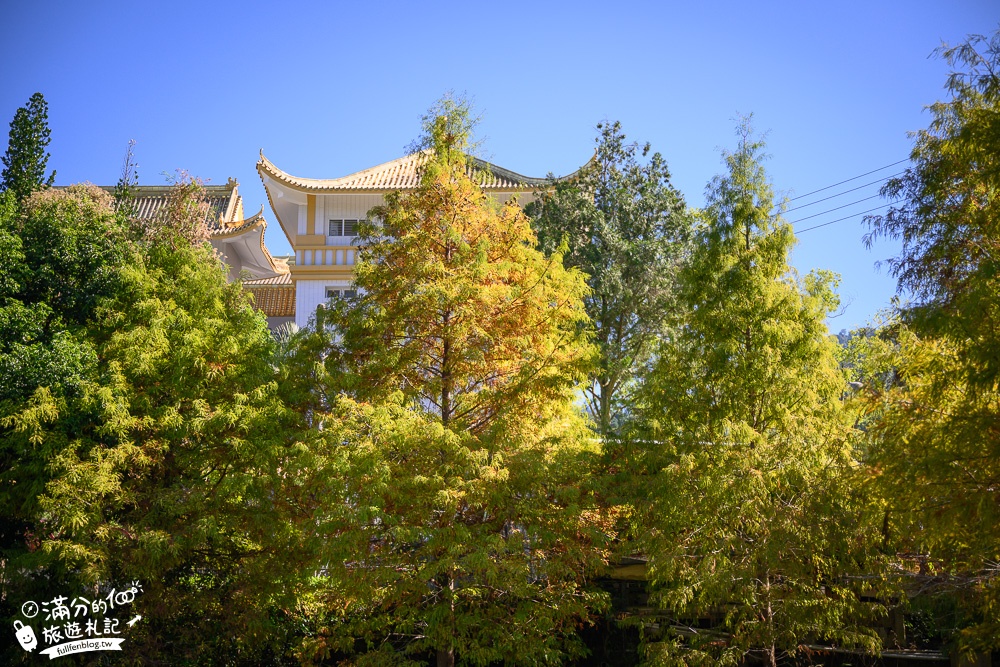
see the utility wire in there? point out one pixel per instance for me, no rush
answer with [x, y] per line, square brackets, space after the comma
[837, 208]
[881, 180]
[867, 173]
[848, 217]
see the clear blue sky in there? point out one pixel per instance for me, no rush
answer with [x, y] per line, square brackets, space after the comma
[329, 88]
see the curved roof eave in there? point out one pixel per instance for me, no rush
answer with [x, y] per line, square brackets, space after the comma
[399, 174]
[254, 224]
[246, 225]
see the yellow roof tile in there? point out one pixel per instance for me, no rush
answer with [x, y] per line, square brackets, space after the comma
[403, 174]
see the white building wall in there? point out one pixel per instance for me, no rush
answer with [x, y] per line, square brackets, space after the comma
[302, 231]
[352, 207]
[311, 293]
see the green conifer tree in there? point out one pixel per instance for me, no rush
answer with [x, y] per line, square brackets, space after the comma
[744, 442]
[141, 435]
[25, 160]
[628, 229]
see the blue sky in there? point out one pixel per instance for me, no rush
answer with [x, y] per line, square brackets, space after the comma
[329, 88]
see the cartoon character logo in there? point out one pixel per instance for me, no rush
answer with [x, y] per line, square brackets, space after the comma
[25, 636]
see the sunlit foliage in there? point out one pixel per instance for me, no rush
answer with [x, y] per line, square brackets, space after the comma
[744, 446]
[458, 520]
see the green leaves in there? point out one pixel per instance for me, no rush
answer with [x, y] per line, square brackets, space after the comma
[743, 436]
[933, 444]
[621, 222]
[25, 159]
[453, 514]
[946, 216]
[144, 436]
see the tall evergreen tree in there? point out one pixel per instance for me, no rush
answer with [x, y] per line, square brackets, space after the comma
[627, 228]
[25, 160]
[744, 443]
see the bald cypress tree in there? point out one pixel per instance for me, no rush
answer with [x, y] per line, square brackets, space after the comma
[457, 522]
[745, 443]
[141, 433]
[25, 160]
[935, 443]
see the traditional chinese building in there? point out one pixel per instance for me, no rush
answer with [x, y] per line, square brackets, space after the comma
[320, 218]
[239, 240]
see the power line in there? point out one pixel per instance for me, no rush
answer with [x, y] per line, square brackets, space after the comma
[836, 208]
[867, 173]
[853, 215]
[881, 180]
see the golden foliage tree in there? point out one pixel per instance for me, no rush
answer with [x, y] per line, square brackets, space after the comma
[935, 441]
[456, 520]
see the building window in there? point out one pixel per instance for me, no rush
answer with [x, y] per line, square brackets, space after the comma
[334, 293]
[343, 228]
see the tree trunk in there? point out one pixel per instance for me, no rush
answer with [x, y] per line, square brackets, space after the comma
[446, 657]
[605, 416]
[446, 380]
[772, 652]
